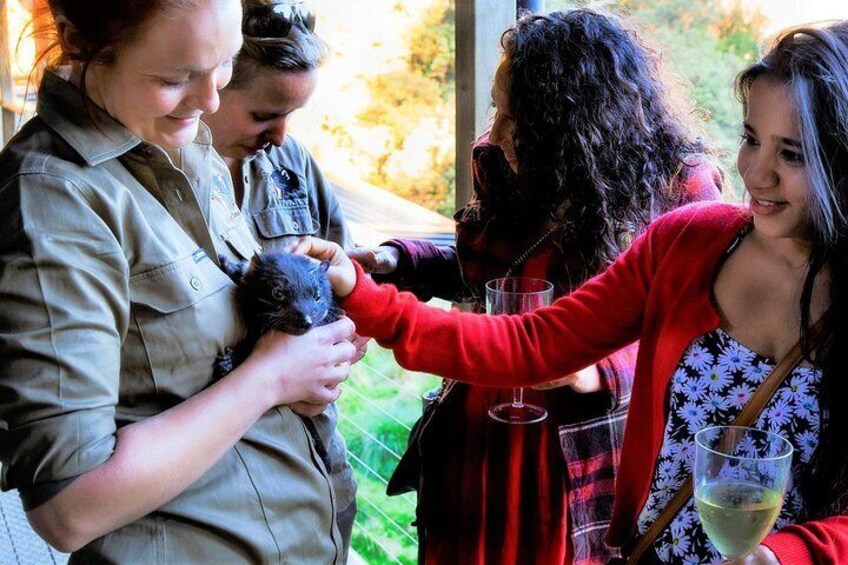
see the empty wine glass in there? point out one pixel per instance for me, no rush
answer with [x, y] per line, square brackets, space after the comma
[517, 295]
[740, 478]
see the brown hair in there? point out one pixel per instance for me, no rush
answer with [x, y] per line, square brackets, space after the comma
[300, 50]
[101, 27]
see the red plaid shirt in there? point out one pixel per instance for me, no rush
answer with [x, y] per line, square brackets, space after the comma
[590, 427]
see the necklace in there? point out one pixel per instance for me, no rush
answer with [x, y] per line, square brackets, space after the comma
[532, 249]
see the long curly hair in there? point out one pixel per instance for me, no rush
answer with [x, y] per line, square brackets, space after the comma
[597, 141]
[813, 63]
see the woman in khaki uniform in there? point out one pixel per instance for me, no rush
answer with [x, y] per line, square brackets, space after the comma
[278, 185]
[115, 210]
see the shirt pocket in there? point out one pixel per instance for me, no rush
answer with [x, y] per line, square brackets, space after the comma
[185, 313]
[286, 218]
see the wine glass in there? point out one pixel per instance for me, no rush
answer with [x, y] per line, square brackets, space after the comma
[740, 478]
[517, 295]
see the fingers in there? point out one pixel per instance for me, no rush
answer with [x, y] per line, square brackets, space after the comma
[360, 343]
[364, 257]
[341, 329]
[568, 380]
[320, 249]
[307, 409]
[324, 395]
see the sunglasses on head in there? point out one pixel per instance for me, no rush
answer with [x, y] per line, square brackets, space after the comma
[277, 20]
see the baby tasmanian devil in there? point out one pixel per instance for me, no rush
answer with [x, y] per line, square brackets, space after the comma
[285, 292]
[280, 291]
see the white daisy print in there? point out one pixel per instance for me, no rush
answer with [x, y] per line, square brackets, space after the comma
[807, 442]
[756, 372]
[713, 381]
[698, 357]
[716, 401]
[717, 378]
[734, 357]
[738, 395]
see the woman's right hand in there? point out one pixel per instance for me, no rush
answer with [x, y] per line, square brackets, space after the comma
[341, 273]
[307, 369]
[381, 260]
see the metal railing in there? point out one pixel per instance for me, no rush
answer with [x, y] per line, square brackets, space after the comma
[380, 403]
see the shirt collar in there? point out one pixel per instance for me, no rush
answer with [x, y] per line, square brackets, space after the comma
[87, 128]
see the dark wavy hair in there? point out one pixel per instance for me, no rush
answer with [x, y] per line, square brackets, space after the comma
[813, 63]
[597, 141]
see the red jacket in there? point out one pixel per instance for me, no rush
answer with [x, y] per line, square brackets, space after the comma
[659, 292]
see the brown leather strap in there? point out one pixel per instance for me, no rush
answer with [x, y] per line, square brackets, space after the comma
[746, 417]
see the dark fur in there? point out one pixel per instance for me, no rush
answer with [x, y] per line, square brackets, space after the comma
[284, 292]
[277, 291]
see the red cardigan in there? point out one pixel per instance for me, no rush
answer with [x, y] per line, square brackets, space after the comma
[659, 291]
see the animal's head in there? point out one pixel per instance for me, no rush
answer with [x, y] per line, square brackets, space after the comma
[286, 292]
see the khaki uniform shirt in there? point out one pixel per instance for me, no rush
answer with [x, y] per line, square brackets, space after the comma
[113, 310]
[286, 196]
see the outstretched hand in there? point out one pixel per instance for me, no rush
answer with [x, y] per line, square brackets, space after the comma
[582, 382]
[341, 273]
[380, 260]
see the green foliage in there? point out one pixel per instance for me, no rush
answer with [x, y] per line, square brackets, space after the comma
[380, 403]
[418, 100]
[705, 44]
[432, 46]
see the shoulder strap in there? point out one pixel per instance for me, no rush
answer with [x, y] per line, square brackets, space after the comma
[746, 417]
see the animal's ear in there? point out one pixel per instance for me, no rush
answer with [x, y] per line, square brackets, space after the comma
[324, 266]
[233, 270]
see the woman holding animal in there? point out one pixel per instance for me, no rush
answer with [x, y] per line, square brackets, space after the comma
[716, 294]
[585, 149]
[279, 187]
[114, 310]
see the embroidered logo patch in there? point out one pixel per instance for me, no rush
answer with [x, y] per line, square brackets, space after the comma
[285, 183]
[222, 194]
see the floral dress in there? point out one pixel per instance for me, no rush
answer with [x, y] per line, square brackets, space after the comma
[715, 378]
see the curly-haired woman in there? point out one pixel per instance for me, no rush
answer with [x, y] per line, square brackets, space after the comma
[584, 151]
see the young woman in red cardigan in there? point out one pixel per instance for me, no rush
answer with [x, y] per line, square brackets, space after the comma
[563, 182]
[715, 293]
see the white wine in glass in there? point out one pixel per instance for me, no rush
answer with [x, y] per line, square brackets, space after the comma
[517, 295]
[740, 478]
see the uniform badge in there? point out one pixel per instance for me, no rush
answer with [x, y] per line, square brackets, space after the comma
[222, 194]
[285, 183]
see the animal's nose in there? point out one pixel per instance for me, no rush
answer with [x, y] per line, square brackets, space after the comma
[307, 320]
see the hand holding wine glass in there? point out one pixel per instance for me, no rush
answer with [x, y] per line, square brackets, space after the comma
[760, 556]
[740, 479]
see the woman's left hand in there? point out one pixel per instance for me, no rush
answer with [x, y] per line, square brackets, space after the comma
[582, 382]
[760, 556]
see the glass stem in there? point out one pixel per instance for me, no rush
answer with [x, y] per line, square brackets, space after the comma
[518, 397]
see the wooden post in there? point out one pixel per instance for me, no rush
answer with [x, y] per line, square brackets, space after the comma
[6, 84]
[479, 25]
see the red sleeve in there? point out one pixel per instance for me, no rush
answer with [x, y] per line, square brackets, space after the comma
[604, 315]
[816, 542]
[702, 181]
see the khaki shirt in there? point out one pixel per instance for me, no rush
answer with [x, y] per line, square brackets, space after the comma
[286, 196]
[113, 310]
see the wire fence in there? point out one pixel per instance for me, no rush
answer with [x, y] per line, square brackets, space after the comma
[380, 404]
